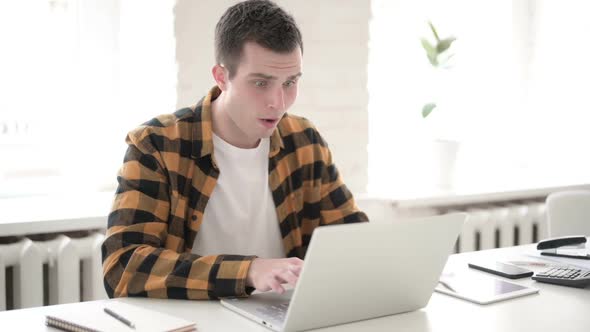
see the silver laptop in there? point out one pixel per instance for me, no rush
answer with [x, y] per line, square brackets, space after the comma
[359, 271]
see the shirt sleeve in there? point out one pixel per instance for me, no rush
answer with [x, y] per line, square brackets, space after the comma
[136, 261]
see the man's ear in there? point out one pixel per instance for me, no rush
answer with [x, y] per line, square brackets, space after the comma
[220, 75]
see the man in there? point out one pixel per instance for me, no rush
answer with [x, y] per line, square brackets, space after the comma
[221, 198]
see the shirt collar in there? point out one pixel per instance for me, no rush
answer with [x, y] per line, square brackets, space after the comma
[203, 129]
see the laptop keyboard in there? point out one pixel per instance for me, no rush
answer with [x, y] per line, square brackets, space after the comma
[275, 312]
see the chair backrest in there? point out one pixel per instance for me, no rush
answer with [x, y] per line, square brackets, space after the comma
[568, 213]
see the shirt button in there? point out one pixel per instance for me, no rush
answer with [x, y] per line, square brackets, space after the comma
[194, 218]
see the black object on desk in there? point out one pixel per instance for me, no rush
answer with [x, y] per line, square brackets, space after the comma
[555, 243]
[563, 241]
[119, 318]
[565, 276]
[502, 269]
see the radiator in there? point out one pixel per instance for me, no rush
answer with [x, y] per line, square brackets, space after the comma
[493, 225]
[501, 225]
[60, 270]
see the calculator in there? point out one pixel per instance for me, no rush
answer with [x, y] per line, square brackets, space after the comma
[565, 276]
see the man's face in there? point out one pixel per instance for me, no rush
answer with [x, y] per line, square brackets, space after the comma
[262, 89]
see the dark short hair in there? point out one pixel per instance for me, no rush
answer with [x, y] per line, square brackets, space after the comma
[259, 21]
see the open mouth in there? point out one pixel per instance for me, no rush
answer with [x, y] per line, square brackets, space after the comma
[268, 122]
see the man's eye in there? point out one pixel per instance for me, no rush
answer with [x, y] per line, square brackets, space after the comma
[260, 83]
[289, 83]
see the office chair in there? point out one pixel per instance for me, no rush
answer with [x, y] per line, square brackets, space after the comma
[568, 213]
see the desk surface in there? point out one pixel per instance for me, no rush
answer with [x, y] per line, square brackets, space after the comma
[555, 308]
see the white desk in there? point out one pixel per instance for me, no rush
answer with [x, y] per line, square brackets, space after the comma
[555, 308]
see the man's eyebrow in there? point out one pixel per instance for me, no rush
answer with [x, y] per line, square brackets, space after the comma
[270, 77]
[292, 77]
[261, 75]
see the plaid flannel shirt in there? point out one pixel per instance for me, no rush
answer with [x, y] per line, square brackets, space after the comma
[167, 177]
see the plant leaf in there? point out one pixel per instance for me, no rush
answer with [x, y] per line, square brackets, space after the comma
[430, 51]
[444, 44]
[427, 109]
[434, 31]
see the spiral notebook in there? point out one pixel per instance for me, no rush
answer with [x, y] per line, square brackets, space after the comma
[90, 317]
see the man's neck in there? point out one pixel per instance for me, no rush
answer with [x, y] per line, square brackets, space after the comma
[226, 128]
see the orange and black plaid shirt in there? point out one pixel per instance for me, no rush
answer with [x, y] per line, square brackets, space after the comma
[167, 177]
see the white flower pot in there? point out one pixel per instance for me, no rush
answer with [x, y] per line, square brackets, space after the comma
[445, 157]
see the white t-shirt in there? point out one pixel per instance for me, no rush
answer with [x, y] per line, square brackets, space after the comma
[240, 217]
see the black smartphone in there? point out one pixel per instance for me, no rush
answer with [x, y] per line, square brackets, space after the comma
[502, 269]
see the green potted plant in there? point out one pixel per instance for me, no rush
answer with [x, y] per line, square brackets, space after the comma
[438, 54]
[445, 149]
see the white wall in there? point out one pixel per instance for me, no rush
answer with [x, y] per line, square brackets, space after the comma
[333, 91]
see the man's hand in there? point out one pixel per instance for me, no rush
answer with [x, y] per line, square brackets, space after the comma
[271, 274]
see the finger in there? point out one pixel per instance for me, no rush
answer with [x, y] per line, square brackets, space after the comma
[288, 277]
[286, 280]
[295, 261]
[296, 270]
[284, 277]
[281, 280]
[263, 288]
[276, 286]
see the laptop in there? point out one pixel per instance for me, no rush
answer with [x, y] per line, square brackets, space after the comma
[359, 271]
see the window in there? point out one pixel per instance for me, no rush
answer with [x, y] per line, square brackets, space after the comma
[75, 79]
[514, 98]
